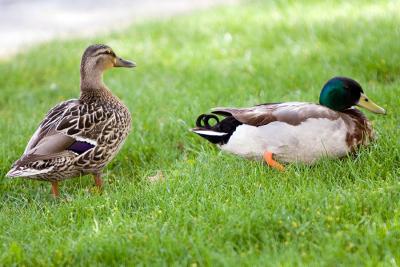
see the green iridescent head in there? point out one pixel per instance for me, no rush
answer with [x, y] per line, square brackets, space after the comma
[341, 93]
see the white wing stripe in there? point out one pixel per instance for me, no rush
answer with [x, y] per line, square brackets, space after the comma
[87, 140]
[210, 133]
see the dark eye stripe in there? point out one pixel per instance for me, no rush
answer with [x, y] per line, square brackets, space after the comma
[104, 53]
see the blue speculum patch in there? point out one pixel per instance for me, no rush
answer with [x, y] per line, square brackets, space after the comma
[80, 147]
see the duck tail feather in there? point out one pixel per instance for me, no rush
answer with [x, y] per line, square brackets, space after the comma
[26, 172]
[218, 133]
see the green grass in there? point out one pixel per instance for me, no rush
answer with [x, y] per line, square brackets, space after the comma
[213, 208]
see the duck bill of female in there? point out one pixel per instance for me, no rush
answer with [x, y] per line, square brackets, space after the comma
[368, 104]
[120, 62]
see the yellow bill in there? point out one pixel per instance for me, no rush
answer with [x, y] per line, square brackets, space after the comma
[368, 104]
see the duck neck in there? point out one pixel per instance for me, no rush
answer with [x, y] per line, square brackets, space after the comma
[92, 84]
[91, 79]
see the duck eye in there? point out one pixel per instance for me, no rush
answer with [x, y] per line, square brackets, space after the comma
[366, 100]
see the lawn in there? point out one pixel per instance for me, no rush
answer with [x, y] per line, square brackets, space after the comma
[212, 208]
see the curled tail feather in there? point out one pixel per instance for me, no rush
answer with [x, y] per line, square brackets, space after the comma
[220, 132]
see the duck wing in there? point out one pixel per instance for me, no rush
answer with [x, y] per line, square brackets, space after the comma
[293, 113]
[46, 140]
[72, 125]
[69, 129]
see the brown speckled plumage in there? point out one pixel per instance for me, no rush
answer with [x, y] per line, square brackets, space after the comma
[79, 136]
[360, 130]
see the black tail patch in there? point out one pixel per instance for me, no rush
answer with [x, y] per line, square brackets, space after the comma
[219, 132]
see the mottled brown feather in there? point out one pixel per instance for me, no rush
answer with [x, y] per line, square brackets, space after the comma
[359, 128]
[98, 120]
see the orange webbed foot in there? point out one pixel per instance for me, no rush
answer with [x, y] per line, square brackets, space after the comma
[271, 162]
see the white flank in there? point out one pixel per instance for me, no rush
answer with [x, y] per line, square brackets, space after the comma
[24, 172]
[307, 142]
[210, 133]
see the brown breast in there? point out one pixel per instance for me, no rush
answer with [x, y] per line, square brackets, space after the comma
[360, 130]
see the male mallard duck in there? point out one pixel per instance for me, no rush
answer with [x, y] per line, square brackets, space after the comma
[295, 131]
[79, 136]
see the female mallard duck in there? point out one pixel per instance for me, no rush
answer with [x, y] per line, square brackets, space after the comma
[295, 131]
[79, 136]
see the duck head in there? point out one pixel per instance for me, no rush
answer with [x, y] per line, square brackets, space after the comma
[95, 60]
[341, 93]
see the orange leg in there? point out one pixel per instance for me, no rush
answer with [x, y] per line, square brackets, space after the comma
[54, 189]
[271, 162]
[98, 181]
